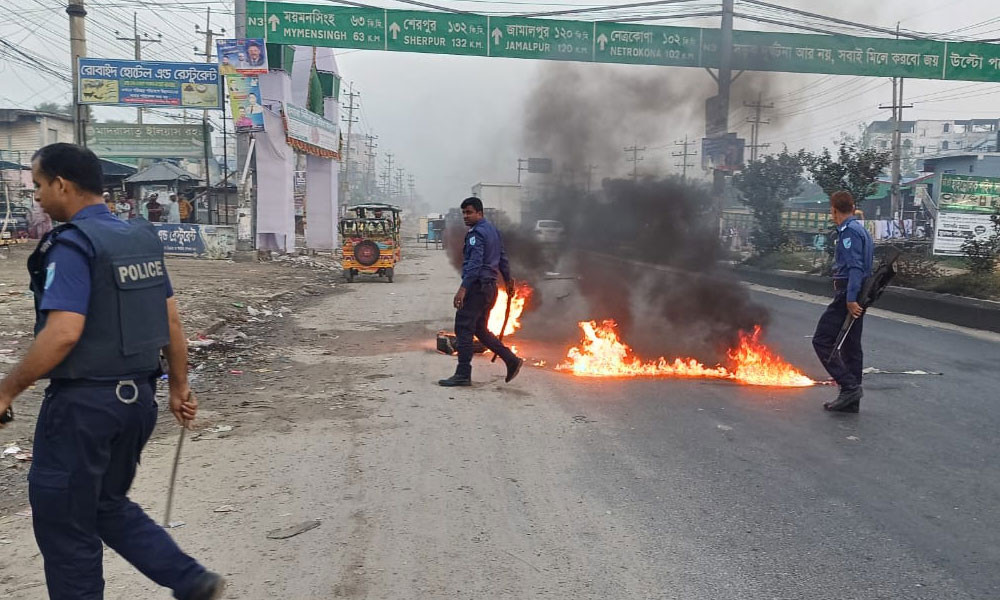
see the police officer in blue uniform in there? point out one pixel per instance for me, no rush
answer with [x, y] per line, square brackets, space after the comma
[853, 257]
[104, 310]
[484, 261]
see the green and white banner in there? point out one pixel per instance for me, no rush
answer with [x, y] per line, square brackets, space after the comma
[146, 141]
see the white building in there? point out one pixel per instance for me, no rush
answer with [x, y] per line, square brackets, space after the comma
[24, 131]
[926, 138]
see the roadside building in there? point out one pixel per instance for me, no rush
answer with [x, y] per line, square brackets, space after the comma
[162, 178]
[22, 132]
[925, 138]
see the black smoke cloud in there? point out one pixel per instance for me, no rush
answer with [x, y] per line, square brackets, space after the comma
[644, 250]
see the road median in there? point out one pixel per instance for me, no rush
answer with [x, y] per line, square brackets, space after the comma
[946, 308]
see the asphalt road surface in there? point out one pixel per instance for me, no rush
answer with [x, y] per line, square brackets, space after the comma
[778, 499]
[559, 487]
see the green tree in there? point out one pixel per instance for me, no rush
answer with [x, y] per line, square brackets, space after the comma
[855, 169]
[53, 107]
[765, 185]
[981, 254]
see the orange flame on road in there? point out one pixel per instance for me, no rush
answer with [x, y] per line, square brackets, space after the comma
[603, 354]
[522, 292]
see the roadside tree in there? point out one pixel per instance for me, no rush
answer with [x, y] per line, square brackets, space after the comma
[765, 185]
[855, 169]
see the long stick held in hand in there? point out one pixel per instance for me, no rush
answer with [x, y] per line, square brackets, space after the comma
[506, 317]
[173, 474]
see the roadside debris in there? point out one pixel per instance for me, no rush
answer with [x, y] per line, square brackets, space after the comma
[877, 371]
[292, 530]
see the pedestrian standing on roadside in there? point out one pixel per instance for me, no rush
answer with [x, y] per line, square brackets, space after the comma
[123, 208]
[104, 310]
[853, 257]
[484, 261]
[154, 210]
[171, 210]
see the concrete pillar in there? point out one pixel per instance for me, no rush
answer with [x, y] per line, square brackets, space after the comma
[275, 169]
[322, 174]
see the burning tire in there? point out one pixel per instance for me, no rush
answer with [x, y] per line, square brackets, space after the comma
[366, 253]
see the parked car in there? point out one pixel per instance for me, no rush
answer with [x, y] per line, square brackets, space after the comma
[549, 232]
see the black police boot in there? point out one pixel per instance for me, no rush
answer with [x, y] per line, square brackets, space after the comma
[848, 401]
[513, 369]
[456, 380]
[208, 587]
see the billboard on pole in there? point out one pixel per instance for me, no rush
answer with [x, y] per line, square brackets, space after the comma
[245, 105]
[149, 83]
[243, 56]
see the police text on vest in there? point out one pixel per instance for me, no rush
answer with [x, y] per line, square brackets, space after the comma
[140, 271]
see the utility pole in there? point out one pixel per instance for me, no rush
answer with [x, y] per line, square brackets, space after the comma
[247, 201]
[209, 36]
[209, 47]
[590, 175]
[77, 49]
[718, 107]
[635, 159]
[387, 176]
[755, 123]
[897, 107]
[399, 181]
[683, 155]
[370, 146]
[205, 126]
[412, 188]
[345, 183]
[897, 141]
[137, 43]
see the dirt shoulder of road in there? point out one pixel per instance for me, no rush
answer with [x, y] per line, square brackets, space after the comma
[227, 307]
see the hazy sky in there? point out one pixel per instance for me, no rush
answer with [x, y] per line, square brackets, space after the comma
[455, 121]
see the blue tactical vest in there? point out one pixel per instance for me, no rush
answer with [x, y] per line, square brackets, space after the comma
[126, 324]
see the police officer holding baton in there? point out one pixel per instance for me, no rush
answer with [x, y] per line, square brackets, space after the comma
[484, 260]
[853, 257]
[104, 310]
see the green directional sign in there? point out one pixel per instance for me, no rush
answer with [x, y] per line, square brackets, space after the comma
[647, 44]
[608, 42]
[312, 25]
[437, 33]
[549, 39]
[972, 61]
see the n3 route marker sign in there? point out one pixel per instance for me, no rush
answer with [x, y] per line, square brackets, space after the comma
[468, 34]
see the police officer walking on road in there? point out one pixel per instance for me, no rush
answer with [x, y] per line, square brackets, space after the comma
[104, 310]
[484, 260]
[853, 257]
